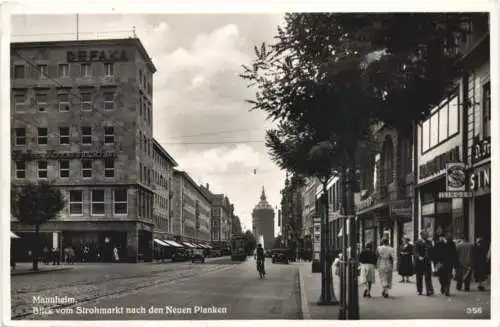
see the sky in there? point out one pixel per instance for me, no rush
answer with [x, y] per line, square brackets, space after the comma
[198, 96]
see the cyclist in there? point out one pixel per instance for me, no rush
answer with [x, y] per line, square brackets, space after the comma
[260, 258]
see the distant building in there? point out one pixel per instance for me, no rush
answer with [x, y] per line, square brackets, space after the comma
[191, 210]
[263, 221]
[221, 215]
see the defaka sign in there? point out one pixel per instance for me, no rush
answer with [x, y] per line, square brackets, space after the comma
[96, 55]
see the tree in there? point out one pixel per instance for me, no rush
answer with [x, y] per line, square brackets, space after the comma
[34, 204]
[329, 78]
[251, 242]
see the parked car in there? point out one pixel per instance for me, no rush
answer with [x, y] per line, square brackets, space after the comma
[280, 255]
[198, 256]
[180, 255]
[269, 253]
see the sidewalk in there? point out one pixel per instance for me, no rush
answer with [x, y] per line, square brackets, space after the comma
[403, 303]
[24, 268]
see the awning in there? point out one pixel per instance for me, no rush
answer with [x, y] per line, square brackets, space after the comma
[204, 246]
[173, 243]
[160, 242]
[13, 235]
[208, 246]
[188, 244]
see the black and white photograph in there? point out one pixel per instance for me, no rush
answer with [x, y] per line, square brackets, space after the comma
[250, 166]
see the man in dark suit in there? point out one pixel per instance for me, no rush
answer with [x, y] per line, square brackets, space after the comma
[423, 258]
[465, 252]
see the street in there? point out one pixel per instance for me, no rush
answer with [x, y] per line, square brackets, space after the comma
[219, 289]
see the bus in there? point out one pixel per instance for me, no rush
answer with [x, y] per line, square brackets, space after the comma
[238, 248]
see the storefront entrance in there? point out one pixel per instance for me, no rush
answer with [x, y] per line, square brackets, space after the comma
[482, 217]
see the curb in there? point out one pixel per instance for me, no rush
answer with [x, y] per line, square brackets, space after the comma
[44, 271]
[304, 305]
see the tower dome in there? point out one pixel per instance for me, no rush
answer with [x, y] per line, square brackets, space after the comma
[263, 204]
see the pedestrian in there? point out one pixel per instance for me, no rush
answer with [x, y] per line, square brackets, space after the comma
[481, 268]
[337, 264]
[367, 260]
[463, 275]
[86, 250]
[46, 255]
[116, 257]
[405, 262]
[54, 256]
[423, 268]
[385, 265]
[446, 260]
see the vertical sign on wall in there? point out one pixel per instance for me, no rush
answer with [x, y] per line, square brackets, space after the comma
[317, 238]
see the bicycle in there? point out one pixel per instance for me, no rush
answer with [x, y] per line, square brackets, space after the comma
[260, 268]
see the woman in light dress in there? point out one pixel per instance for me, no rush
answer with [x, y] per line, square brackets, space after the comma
[116, 257]
[385, 265]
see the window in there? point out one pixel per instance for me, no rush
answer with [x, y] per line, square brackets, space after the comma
[109, 100]
[487, 110]
[42, 169]
[75, 203]
[42, 72]
[87, 168]
[86, 101]
[21, 136]
[63, 99]
[19, 72]
[140, 172]
[109, 69]
[86, 135]
[443, 124]
[84, 70]
[42, 136]
[109, 135]
[63, 135]
[140, 107]
[120, 205]
[19, 101]
[41, 102]
[97, 200]
[140, 78]
[63, 70]
[109, 167]
[21, 169]
[434, 129]
[64, 168]
[140, 140]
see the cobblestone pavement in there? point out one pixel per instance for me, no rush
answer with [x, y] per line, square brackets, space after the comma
[232, 289]
[91, 281]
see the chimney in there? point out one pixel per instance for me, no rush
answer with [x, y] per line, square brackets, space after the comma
[208, 186]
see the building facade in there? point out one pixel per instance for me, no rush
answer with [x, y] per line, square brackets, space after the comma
[222, 216]
[191, 210]
[163, 171]
[263, 221]
[458, 132]
[81, 117]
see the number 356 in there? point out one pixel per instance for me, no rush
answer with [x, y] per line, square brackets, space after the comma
[474, 310]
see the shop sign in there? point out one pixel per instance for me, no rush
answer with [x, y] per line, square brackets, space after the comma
[316, 237]
[401, 209]
[480, 179]
[366, 203]
[438, 164]
[96, 55]
[455, 177]
[17, 155]
[481, 149]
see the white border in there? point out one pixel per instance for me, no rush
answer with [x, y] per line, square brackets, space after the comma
[53, 7]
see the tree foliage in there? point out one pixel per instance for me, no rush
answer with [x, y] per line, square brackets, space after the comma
[34, 204]
[251, 243]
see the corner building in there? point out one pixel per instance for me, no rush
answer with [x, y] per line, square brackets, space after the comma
[81, 117]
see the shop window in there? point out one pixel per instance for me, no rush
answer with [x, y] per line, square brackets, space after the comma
[20, 136]
[120, 204]
[97, 202]
[21, 169]
[64, 168]
[75, 203]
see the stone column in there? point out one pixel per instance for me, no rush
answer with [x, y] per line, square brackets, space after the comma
[132, 245]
